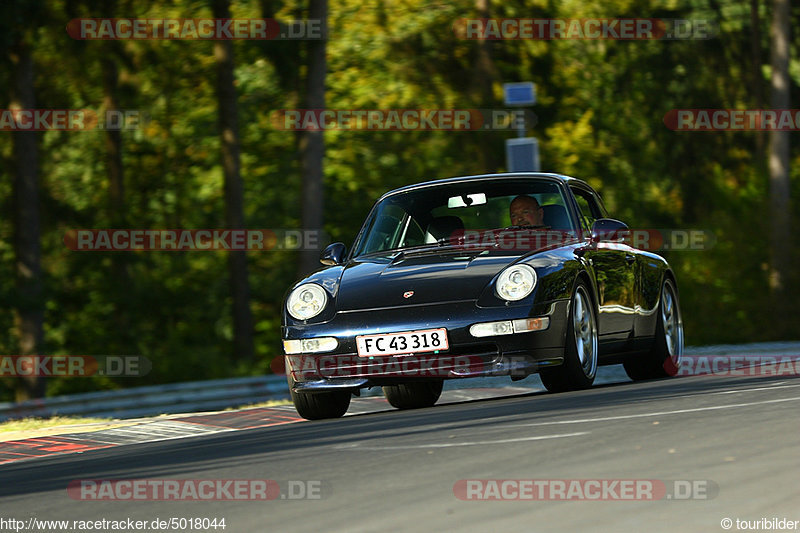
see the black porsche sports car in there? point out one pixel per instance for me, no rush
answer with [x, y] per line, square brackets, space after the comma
[502, 274]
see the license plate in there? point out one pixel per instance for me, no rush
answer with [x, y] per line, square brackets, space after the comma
[407, 342]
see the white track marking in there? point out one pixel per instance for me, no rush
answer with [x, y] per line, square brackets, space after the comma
[511, 418]
[359, 447]
[656, 413]
[732, 391]
[776, 386]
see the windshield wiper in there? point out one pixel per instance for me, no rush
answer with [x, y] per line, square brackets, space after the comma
[398, 253]
[527, 226]
[410, 250]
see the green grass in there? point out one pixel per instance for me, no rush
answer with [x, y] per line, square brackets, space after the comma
[34, 424]
[28, 424]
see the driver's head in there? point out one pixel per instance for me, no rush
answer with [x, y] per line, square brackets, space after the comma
[525, 211]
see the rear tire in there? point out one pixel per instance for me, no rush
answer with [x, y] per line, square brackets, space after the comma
[413, 395]
[580, 353]
[664, 358]
[320, 405]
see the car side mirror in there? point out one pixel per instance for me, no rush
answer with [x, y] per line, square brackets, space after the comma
[333, 254]
[609, 230]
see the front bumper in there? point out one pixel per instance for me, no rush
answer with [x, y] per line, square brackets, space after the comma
[515, 355]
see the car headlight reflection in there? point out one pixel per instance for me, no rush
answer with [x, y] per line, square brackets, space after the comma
[307, 301]
[516, 282]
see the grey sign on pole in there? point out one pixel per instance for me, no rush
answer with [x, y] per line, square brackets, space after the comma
[522, 155]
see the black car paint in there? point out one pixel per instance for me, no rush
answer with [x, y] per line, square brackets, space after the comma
[454, 288]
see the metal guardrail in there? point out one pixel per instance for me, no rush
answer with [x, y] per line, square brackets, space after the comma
[153, 400]
[218, 394]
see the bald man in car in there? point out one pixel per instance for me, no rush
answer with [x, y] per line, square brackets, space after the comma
[526, 211]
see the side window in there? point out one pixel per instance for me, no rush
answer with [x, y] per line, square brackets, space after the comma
[412, 234]
[587, 203]
[385, 230]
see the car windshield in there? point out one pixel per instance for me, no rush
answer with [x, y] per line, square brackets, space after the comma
[432, 216]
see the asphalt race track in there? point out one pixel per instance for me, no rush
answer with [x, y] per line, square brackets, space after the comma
[733, 439]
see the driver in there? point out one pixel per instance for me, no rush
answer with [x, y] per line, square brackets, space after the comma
[526, 211]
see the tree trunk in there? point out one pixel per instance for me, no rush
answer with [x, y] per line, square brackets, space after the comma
[234, 203]
[779, 158]
[312, 143]
[29, 316]
[755, 72]
[483, 81]
[116, 195]
[116, 182]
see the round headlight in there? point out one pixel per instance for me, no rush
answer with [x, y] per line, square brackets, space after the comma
[516, 282]
[306, 301]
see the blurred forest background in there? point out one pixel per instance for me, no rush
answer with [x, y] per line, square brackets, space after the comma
[202, 315]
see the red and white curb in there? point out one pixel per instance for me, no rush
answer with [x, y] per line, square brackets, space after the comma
[192, 425]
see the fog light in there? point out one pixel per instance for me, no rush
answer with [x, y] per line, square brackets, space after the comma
[317, 345]
[489, 329]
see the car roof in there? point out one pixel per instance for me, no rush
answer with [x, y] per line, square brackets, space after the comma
[480, 177]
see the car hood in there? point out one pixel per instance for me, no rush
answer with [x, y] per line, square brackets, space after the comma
[376, 282]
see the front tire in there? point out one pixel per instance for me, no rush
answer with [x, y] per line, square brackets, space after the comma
[580, 353]
[320, 405]
[664, 358]
[413, 395]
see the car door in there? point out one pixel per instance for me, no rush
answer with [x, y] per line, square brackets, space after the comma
[614, 264]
